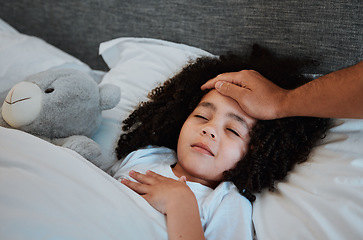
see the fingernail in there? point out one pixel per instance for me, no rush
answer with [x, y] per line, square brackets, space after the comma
[219, 85]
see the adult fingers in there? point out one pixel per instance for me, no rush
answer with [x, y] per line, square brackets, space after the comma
[238, 78]
[229, 77]
[209, 84]
[231, 90]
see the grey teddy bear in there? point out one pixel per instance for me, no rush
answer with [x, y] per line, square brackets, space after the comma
[62, 106]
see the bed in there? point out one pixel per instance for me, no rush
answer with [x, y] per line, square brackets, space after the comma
[50, 192]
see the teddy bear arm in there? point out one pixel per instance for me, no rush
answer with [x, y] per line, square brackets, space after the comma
[83, 145]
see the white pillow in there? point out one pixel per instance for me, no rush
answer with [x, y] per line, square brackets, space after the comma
[321, 198]
[22, 55]
[140, 64]
[137, 65]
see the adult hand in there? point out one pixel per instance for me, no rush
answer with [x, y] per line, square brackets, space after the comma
[257, 96]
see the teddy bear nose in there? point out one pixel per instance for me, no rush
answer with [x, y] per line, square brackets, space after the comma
[22, 104]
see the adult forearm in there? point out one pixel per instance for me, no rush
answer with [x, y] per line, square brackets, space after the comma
[335, 95]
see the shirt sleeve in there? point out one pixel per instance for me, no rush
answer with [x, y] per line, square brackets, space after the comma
[231, 219]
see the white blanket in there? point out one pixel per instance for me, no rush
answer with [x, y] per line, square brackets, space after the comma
[50, 192]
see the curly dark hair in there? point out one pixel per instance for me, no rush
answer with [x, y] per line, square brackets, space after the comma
[275, 145]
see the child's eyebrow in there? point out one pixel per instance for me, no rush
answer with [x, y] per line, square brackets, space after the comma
[207, 105]
[230, 115]
[239, 119]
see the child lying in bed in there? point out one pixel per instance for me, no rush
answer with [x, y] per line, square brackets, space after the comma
[213, 156]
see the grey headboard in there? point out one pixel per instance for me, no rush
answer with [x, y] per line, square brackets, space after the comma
[328, 31]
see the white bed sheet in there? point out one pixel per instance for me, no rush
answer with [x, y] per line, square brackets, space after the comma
[50, 192]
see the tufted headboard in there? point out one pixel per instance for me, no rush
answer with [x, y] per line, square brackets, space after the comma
[328, 31]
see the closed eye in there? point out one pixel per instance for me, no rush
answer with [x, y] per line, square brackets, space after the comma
[233, 131]
[200, 116]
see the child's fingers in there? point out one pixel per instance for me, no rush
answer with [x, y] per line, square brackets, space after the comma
[142, 178]
[183, 179]
[154, 175]
[135, 186]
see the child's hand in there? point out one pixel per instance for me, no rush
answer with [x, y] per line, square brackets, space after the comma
[160, 192]
[172, 198]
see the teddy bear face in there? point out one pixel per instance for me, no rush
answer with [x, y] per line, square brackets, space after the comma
[54, 104]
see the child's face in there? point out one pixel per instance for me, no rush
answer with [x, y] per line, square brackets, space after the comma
[213, 139]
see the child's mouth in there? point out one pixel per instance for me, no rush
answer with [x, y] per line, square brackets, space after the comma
[203, 148]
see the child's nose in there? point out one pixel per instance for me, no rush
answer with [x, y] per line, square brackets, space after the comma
[209, 132]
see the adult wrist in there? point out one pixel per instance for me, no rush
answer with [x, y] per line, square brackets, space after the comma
[283, 106]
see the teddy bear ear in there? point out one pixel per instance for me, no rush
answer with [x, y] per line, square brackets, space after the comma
[96, 75]
[110, 96]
